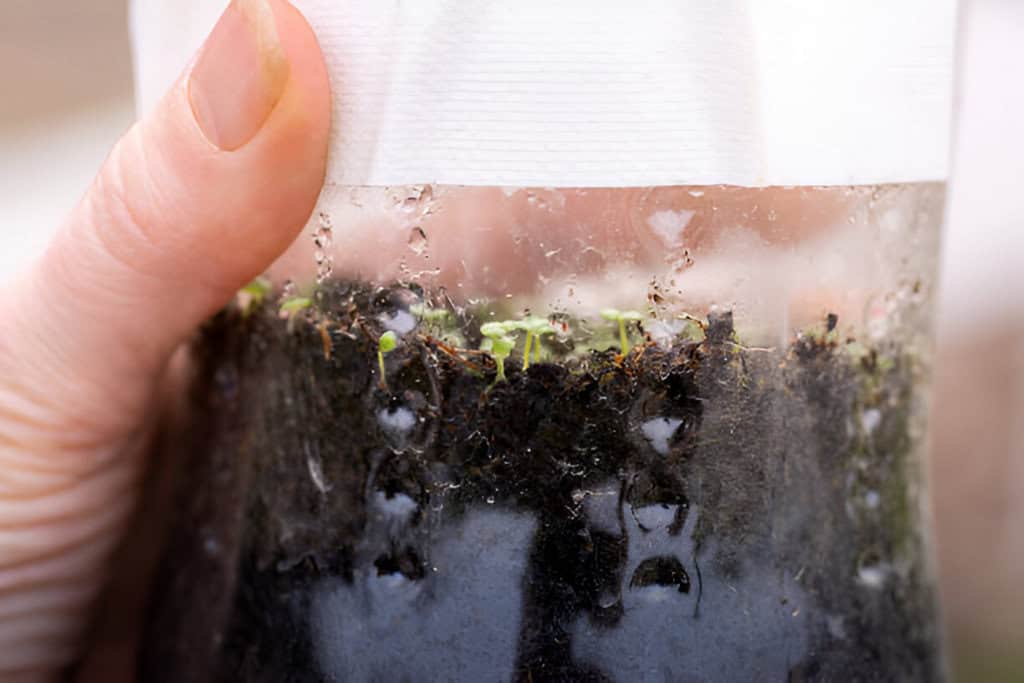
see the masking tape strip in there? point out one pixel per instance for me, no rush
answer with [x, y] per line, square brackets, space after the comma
[607, 94]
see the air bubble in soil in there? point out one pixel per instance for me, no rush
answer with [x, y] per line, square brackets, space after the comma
[400, 322]
[399, 506]
[870, 419]
[650, 517]
[397, 421]
[659, 432]
[874, 575]
[664, 572]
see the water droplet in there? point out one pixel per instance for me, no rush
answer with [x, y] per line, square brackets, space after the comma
[412, 199]
[323, 239]
[490, 500]
[418, 241]
[685, 260]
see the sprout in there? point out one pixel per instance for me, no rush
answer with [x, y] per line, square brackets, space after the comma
[295, 304]
[387, 343]
[437, 316]
[499, 343]
[535, 327]
[437, 321]
[258, 287]
[441, 322]
[253, 294]
[622, 317]
[291, 307]
[494, 329]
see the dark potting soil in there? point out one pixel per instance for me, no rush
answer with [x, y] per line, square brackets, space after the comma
[702, 513]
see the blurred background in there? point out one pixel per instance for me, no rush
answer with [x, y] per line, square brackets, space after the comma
[67, 95]
[66, 74]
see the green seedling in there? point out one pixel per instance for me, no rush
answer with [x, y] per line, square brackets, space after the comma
[825, 333]
[440, 322]
[622, 317]
[535, 328]
[434, 316]
[291, 308]
[499, 343]
[296, 304]
[259, 287]
[253, 294]
[388, 342]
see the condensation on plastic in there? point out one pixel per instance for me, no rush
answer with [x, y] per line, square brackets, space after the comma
[779, 258]
[564, 156]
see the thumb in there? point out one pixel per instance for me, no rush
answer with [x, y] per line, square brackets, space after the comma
[193, 202]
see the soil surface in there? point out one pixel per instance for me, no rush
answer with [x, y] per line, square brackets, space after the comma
[705, 512]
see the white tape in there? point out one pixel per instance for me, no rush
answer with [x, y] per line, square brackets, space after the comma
[600, 93]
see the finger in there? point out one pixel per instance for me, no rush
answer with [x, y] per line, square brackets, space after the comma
[194, 201]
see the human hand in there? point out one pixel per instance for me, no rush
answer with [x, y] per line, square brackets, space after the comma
[194, 201]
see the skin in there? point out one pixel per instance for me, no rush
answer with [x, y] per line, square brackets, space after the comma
[171, 228]
[189, 207]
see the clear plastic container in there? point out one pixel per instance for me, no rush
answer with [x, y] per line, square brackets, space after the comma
[486, 433]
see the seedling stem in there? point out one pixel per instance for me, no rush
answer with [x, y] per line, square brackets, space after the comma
[387, 343]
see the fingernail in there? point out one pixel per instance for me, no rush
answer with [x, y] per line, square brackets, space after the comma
[239, 75]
